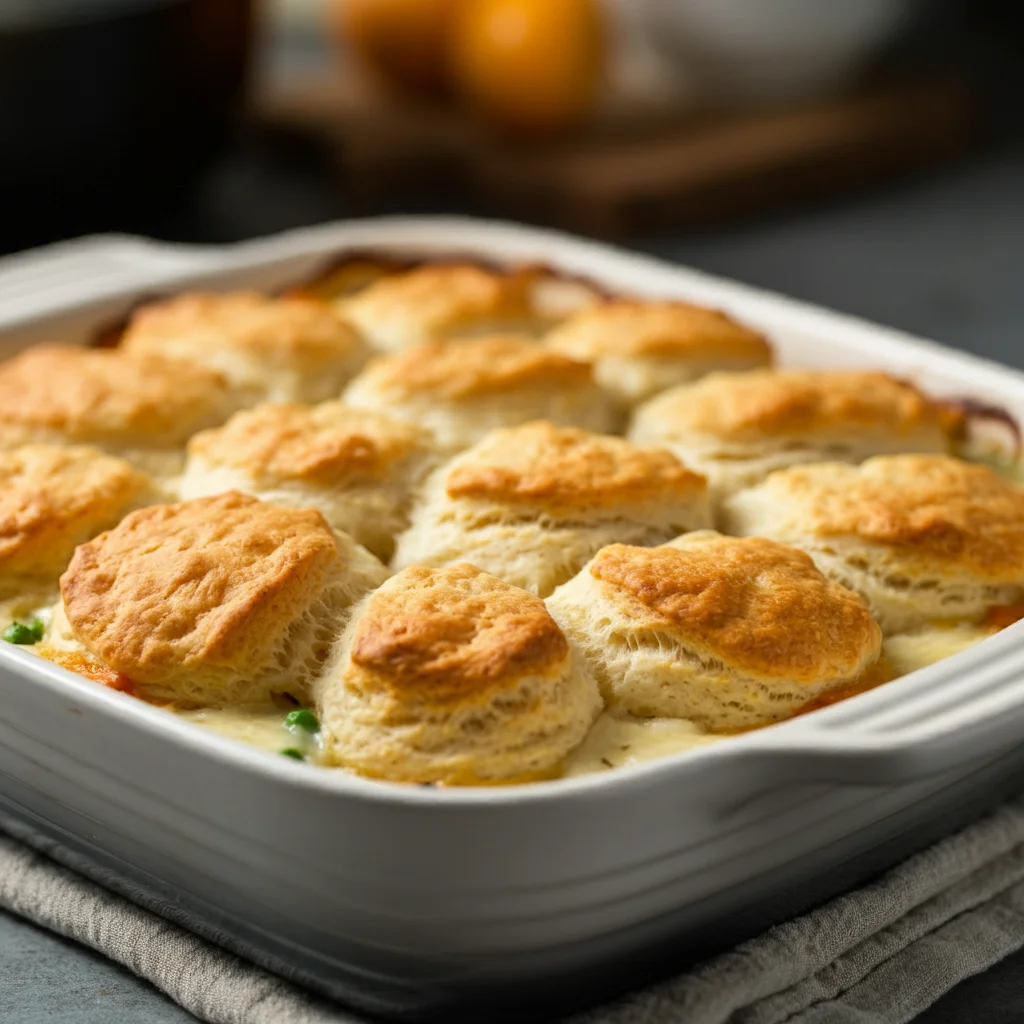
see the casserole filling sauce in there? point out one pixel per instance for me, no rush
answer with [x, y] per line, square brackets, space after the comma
[616, 740]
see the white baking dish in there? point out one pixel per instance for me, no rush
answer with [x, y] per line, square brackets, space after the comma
[408, 900]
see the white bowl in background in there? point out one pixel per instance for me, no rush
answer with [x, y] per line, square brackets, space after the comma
[771, 50]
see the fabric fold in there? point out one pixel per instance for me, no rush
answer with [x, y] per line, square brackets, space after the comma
[879, 955]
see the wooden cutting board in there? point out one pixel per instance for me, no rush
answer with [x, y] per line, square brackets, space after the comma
[634, 169]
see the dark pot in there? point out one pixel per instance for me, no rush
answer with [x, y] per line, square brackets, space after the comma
[111, 109]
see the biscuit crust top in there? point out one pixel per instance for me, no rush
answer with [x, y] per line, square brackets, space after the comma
[327, 443]
[50, 495]
[456, 370]
[564, 468]
[101, 395]
[289, 331]
[764, 403]
[440, 297]
[658, 330]
[751, 603]
[452, 635]
[213, 582]
[929, 509]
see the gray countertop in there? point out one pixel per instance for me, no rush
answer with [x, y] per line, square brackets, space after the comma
[941, 257]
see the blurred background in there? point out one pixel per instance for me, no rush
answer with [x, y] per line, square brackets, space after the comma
[798, 144]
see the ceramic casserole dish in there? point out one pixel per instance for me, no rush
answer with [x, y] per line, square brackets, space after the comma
[413, 902]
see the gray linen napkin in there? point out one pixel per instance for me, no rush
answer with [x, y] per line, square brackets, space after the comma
[880, 955]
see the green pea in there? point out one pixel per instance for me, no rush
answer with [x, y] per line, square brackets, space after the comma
[19, 633]
[300, 718]
[295, 755]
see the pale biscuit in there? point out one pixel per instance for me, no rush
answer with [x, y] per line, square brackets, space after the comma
[52, 498]
[452, 676]
[551, 295]
[460, 390]
[737, 428]
[358, 468]
[140, 407]
[286, 349]
[218, 601]
[531, 504]
[729, 633]
[640, 348]
[346, 276]
[921, 537]
[441, 301]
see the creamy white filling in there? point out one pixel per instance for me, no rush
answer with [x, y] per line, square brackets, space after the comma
[258, 725]
[26, 607]
[907, 652]
[619, 740]
[616, 740]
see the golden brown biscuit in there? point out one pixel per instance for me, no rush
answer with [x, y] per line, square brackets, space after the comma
[218, 601]
[640, 348]
[140, 407]
[921, 537]
[52, 498]
[452, 676]
[347, 275]
[358, 468]
[273, 349]
[730, 633]
[460, 390]
[737, 428]
[440, 301]
[532, 503]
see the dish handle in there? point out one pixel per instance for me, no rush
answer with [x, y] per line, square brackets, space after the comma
[939, 719]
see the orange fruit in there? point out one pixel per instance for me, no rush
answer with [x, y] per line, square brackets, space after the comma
[404, 41]
[529, 65]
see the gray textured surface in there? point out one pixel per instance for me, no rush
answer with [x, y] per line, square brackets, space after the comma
[44, 978]
[943, 258]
